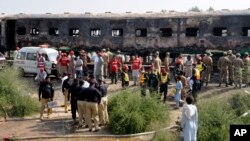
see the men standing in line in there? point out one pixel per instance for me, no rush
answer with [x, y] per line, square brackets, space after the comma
[167, 61]
[188, 66]
[93, 99]
[238, 66]
[157, 62]
[208, 61]
[231, 57]
[99, 67]
[246, 74]
[46, 94]
[103, 106]
[105, 57]
[136, 66]
[223, 64]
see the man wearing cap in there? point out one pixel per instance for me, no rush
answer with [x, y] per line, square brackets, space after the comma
[71, 67]
[246, 72]
[105, 57]
[103, 106]
[99, 67]
[157, 62]
[136, 66]
[208, 61]
[93, 97]
[167, 61]
[238, 66]
[223, 65]
[64, 62]
[231, 57]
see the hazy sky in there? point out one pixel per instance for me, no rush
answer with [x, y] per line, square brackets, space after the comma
[116, 6]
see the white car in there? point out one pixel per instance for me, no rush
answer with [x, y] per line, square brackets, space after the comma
[26, 60]
[2, 61]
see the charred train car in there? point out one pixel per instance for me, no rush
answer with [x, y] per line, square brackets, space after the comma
[185, 32]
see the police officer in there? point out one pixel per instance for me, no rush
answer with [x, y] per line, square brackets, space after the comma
[73, 95]
[231, 57]
[238, 66]
[65, 90]
[81, 102]
[93, 97]
[208, 61]
[46, 94]
[103, 106]
[223, 65]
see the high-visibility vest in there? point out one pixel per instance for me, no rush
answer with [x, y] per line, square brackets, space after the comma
[197, 74]
[199, 67]
[126, 78]
[142, 78]
[164, 79]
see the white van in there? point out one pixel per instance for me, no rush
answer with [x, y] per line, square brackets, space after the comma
[26, 60]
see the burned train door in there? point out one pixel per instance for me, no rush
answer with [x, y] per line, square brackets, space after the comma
[10, 34]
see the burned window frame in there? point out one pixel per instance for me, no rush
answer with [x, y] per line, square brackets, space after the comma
[21, 30]
[143, 32]
[245, 31]
[166, 32]
[53, 31]
[93, 30]
[120, 34]
[72, 32]
[34, 31]
[220, 34]
[192, 32]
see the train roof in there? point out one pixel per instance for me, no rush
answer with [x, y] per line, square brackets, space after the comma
[128, 15]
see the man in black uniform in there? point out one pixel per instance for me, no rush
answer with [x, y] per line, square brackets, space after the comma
[93, 99]
[81, 102]
[65, 90]
[46, 90]
[73, 98]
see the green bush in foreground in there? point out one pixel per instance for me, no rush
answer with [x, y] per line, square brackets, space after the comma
[15, 97]
[216, 115]
[130, 113]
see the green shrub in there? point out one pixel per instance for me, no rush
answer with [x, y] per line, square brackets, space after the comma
[15, 95]
[130, 113]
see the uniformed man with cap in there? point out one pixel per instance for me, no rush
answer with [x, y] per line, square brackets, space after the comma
[93, 97]
[223, 65]
[231, 57]
[238, 66]
[105, 57]
[167, 61]
[157, 62]
[208, 61]
[246, 72]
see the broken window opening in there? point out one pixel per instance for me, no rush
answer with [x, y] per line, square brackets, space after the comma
[21, 30]
[74, 32]
[166, 32]
[192, 32]
[117, 32]
[141, 32]
[220, 31]
[34, 31]
[54, 31]
[246, 31]
[95, 32]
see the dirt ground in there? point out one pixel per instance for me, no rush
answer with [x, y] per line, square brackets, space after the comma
[60, 122]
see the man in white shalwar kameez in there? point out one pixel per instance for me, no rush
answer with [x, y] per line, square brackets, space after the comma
[189, 121]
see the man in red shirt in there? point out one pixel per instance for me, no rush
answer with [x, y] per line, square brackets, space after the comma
[136, 66]
[64, 62]
[114, 67]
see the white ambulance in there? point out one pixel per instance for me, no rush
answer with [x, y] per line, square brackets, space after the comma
[26, 60]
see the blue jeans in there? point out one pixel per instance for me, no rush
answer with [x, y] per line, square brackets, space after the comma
[79, 74]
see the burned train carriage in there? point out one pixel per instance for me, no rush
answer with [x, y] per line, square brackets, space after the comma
[144, 32]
